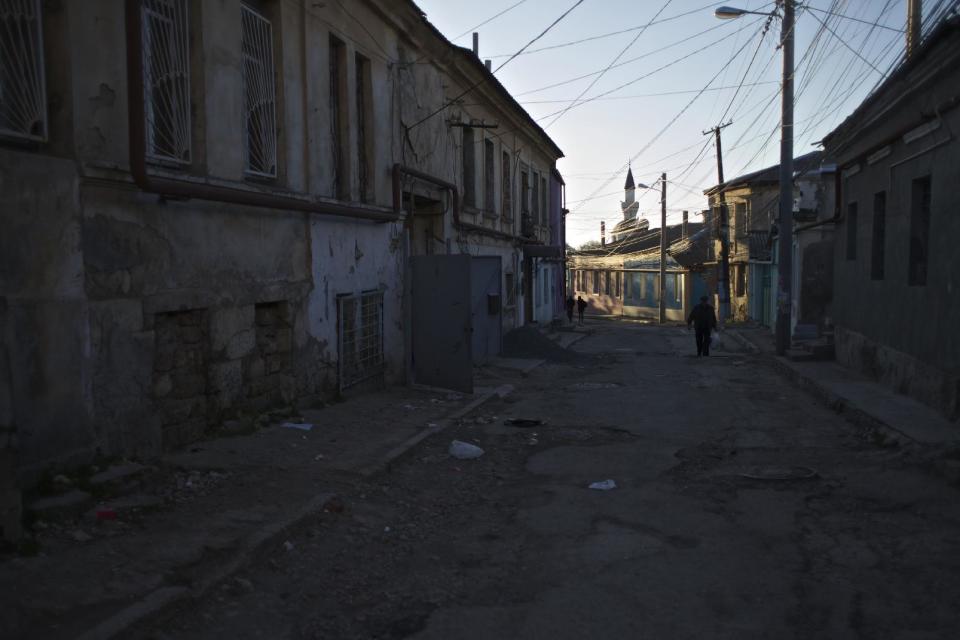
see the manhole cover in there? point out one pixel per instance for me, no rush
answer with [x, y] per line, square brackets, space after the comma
[779, 473]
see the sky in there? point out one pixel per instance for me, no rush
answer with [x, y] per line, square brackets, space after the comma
[675, 72]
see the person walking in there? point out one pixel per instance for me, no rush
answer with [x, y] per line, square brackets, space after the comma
[704, 320]
[581, 307]
[570, 303]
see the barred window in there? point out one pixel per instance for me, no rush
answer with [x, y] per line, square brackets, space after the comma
[166, 80]
[259, 94]
[23, 100]
[361, 337]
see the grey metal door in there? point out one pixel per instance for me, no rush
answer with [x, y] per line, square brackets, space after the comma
[441, 343]
[485, 290]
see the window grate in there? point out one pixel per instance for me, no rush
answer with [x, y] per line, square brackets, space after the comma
[259, 93]
[166, 80]
[23, 100]
[361, 337]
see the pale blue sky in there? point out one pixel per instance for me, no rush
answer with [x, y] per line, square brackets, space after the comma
[599, 137]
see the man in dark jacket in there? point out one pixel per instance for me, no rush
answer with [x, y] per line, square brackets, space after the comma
[581, 307]
[704, 320]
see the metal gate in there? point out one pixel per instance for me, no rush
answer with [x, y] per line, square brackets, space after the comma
[360, 336]
[485, 312]
[441, 321]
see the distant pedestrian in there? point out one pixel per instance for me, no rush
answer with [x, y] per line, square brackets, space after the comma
[581, 307]
[704, 320]
[570, 304]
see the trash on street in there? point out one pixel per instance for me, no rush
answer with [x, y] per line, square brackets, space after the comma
[464, 450]
[603, 485]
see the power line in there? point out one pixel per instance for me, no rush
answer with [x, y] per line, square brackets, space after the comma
[611, 33]
[846, 17]
[489, 20]
[602, 73]
[640, 57]
[678, 115]
[502, 65]
[647, 75]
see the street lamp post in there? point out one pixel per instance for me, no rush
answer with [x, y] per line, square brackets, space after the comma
[785, 226]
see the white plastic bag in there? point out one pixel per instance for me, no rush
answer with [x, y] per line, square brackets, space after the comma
[464, 450]
[603, 485]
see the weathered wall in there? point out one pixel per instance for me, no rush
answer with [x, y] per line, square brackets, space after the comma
[914, 327]
[46, 336]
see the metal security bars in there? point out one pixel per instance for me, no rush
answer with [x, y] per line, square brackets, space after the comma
[259, 94]
[166, 80]
[23, 99]
[360, 337]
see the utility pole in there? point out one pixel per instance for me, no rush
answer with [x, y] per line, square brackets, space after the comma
[785, 231]
[663, 245]
[724, 285]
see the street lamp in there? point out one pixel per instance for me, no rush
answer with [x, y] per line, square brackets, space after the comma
[785, 227]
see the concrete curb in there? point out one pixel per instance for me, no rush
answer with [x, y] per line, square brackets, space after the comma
[744, 342]
[166, 598]
[406, 446]
[883, 432]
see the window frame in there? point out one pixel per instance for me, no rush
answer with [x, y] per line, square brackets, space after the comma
[851, 231]
[39, 88]
[269, 79]
[878, 236]
[182, 125]
[921, 205]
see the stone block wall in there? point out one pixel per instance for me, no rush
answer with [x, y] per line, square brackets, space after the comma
[268, 376]
[9, 492]
[900, 371]
[180, 375]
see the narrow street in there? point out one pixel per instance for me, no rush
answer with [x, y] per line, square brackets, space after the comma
[715, 529]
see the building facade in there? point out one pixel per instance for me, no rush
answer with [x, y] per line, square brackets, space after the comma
[897, 270]
[212, 208]
[752, 203]
[622, 278]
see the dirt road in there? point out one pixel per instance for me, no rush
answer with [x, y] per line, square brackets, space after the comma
[742, 509]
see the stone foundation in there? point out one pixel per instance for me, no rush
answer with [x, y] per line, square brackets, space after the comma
[180, 375]
[900, 371]
[10, 524]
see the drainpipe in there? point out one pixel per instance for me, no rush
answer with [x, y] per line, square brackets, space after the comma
[179, 188]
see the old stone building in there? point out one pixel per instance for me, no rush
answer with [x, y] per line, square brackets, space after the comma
[217, 207]
[752, 202]
[897, 268]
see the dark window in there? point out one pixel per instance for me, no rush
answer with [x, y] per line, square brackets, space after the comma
[596, 282]
[740, 220]
[260, 94]
[536, 195]
[524, 193]
[511, 290]
[616, 284]
[489, 158]
[741, 280]
[543, 201]
[469, 169]
[919, 230]
[852, 231]
[506, 187]
[879, 234]
[338, 118]
[364, 120]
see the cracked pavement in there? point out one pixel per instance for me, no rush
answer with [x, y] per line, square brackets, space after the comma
[689, 545]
